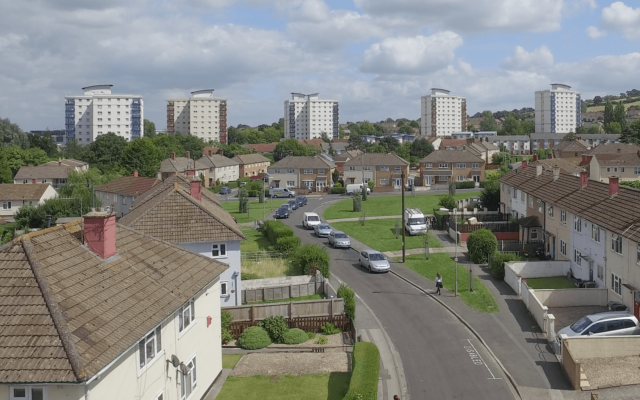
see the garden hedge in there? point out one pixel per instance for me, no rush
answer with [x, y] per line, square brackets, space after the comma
[274, 230]
[497, 260]
[308, 258]
[295, 336]
[338, 190]
[481, 243]
[366, 371]
[254, 338]
[465, 185]
[276, 327]
[348, 296]
[287, 244]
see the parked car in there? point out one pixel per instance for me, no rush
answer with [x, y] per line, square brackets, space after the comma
[322, 230]
[310, 220]
[282, 212]
[339, 239]
[302, 201]
[609, 323]
[374, 261]
[242, 183]
[225, 190]
[293, 204]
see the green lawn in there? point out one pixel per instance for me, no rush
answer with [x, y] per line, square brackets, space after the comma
[229, 361]
[333, 386]
[255, 240]
[480, 299]
[316, 296]
[255, 209]
[388, 205]
[556, 282]
[379, 235]
[601, 108]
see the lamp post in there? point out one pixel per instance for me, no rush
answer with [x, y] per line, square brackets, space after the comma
[403, 229]
[455, 215]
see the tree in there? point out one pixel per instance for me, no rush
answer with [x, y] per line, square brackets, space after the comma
[389, 143]
[406, 129]
[594, 129]
[583, 106]
[76, 151]
[291, 147]
[106, 150]
[325, 137]
[404, 151]
[192, 144]
[472, 128]
[267, 155]
[490, 194]
[613, 127]
[5, 172]
[632, 133]
[12, 135]
[631, 184]
[528, 127]
[447, 201]
[143, 156]
[608, 112]
[340, 132]
[481, 244]
[620, 115]
[309, 258]
[34, 156]
[414, 124]
[488, 122]
[597, 100]
[335, 176]
[149, 129]
[167, 144]
[512, 126]
[420, 148]
[44, 142]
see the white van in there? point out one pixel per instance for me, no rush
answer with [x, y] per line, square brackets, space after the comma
[357, 187]
[414, 221]
[310, 220]
[281, 192]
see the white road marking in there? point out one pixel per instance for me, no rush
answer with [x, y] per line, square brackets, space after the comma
[476, 358]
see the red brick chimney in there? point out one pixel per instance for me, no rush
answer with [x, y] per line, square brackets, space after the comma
[135, 174]
[221, 152]
[535, 157]
[173, 155]
[195, 188]
[524, 164]
[550, 156]
[100, 233]
[584, 179]
[191, 172]
[613, 186]
[209, 152]
[34, 181]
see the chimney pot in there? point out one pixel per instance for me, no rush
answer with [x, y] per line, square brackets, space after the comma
[135, 174]
[613, 186]
[584, 179]
[556, 173]
[173, 155]
[100, 233]
[524, 164]
[538, 170]
[196, 188]
[535, 157]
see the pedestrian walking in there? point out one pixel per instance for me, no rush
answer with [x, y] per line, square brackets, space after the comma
[438, 283]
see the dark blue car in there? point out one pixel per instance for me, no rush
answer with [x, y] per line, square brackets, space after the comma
[301, 200]
[225, 190]
[282, 212]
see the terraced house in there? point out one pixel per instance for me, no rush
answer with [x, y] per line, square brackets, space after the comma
[385, 170]
[594, 225]
[313, 173]
[119, 195]
[613, 159]
[455, 165]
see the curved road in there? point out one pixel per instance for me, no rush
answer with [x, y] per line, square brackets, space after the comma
[439, 355]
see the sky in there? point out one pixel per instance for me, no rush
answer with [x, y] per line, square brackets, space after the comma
[377, 57]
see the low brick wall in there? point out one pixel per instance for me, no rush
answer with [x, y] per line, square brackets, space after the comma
[281, 288]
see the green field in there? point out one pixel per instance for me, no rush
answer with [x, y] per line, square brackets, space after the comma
[256, 210]
[333, 386]
[480, 299]
[379, 234]
[556, 282]
[601, 108]
[255, 240]
[388, 205]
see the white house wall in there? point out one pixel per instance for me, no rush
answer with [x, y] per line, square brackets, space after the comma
[583, 242]
[50, 193]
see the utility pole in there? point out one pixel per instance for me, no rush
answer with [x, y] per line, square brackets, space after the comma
[455, 260]
[403, 230]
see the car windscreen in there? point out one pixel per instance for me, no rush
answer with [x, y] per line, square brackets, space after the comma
[376, 257]
[313, 218]
[324, 227]
[341, 236]
[417, 221]
[580, 324]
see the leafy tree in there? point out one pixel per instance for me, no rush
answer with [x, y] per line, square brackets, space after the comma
[528, 127]
[34, 156]
[167, 144]
[613, 127]
[233, 149]
[107, 150]
[310, 257]
[620, 115]
[389, 143]
[354, 140]
[414, 124]
[632, 133]
[340, 132]
[447, 201]
[597, 100]
[80, 185]
[488, 122]
[267, 155]
[631, 184]
[273, 134]
[472, 128]
[403, 151]
[512, 126]
[149, 129]
[143, 156]
[608, 112]
[335, 176]
[11, 134]
[584, 107]
[594, 129]
[5, 171]
[325, 137]
[192, 144]
[420, 148]
[490, 195]
[291, 147]
[481, 243]
[406, 129]
[44, 142]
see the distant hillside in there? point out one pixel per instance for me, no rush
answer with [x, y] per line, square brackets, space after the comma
[502, 114]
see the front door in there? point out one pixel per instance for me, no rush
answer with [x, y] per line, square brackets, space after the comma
[427, 180]
[398, 183]
[476, 178]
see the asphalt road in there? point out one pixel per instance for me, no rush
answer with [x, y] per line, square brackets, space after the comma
[441, 358]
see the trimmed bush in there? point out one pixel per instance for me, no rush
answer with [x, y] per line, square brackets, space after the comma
[366, 371]
[274, 230]
[254, 338]
[329, 329]
[322, 340]
[448, 201]
[295, 336]
[481, 244]
[465, 185]
[310, 257]
[496, 264]
[287, 244]
[247, 276]
[338, 190]
[276, 328]
[243, 201]
[347, 294]
[357, 202]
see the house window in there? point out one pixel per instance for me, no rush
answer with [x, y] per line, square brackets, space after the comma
[577, 223]
[186, 315]
[384, 182]
[384, 168]
[601, 273]
[352, 168]
[461, 165]
[219, 250]
[540, 210]
[398, 169]
[25, 181]
[534, 234]
[290, 171]
[563, 217]
[150, 347]
[461, 178]
[291, 183]
[530, 202]
[522, 196]
[28, 393]
[515, 193]
[595, 232]
[124, 200]
[577, 257]
[188, 382]
[366, 168]
[616, 243]
[443, 165]
[616, 284]
[308, 171]
[276, 171]
[636, 170]
[550, 211]
[428, 165]
[224, 288]
[563, 247]
[6, 205]
[475, 165]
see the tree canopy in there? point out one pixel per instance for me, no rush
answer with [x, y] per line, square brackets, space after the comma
[488, 122]
[291, 147]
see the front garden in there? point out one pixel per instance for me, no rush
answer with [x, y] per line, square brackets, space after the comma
[257, 210]
[380, 234]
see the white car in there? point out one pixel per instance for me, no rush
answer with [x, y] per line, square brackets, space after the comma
[310, 220]
[374, 261]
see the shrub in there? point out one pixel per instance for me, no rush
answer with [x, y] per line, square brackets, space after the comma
[322, 340]
[276, 327]
[247, 276]
[311, 335]
[287, 244]
[252, 193]
[295, 336]
[448, 201]
[366, 371]
[261, 195]
[254, 338]
[308, 258]
[338, 190]
[357, 202]
[481, 244]
[347, 294]
[226, 336]
[371, 185]
[337, 185]
[329, 329]
[496, 264]
[465, 185]
[274, 230]
[225, 320]
[243, 201]
[482, 183]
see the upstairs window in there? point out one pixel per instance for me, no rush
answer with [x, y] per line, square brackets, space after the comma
[219, 250]
[616, 243]
[188, 382]
[563, 217]
[577, 223]
[186, 315]
[550, 211]
[595, 232]
[384, 168]
[150, 346]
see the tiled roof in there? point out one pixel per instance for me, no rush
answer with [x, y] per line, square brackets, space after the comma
[347, 154]
[244, 159]
[262, 147]
[168, 184]
[43, 172]
[565, 166]
[614, 148]
[572, 145]
[614, 160]
[453, 142]
[65, 313]
[10, 191]
[217, 161]
[68, 162]
[619, 214]
[176, 217]
[302, 162]
[455, 155]
[180, 164]
[311, 142]
[372, 159]
[129, 185]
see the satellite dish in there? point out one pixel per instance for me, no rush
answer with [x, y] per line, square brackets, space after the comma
[175, 361]
[184, 369]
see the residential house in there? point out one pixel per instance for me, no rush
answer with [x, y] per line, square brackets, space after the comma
[181, 165]
[55, 175]
[596, 139]
[385, 170]
[172, 182]
[565, 166]
[221, 168]
[309, 172]
[342, 158]
[546, 140]
[339, 146]
[515, 144]
[185, 219]
[613, 159]
[435, 141]
[119, 194]
[571, 149]
[592, 224]
[483, 149]
[96, 309]
[13, 196]
[317, 143]
[252, 164]
[77, 165]
[456, 165]
[262, 147]
[450, 144]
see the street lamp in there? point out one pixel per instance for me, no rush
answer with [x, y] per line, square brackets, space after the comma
[455, 215]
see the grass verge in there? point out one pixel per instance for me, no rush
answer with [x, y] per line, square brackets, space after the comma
[257, 210]
[556, 282]
[229, 361]
[331, 386]
[316, 296]
[255, 240]
[366, 372]
[388, 205]
[480, 299]
[379, 234]
[267, 268]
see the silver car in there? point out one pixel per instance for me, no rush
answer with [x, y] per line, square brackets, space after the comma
[339, 239]
[610, 323]
[322, 230]
[374, 261]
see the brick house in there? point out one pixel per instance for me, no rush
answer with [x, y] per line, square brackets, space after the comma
[119, 194]
[457, 165]
[571, 149]
[613, 159]
[302, 172]
[385, 170]
[252, 164]
[181, 165]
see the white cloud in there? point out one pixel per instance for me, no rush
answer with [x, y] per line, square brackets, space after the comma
[595, 33]
[411, 55]
[620, 17]
[528, 61]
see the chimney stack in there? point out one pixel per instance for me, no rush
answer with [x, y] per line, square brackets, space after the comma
[187, 155]
[535, 157]
[613, 186]
[524, 164]
[100, 233]
[584, 179]
[34, 181]
[556, 173]
[135, 174]
[550, 156]
[221, 152]
[196, 188]
[538, 170]
[209, 152]
[173, 155]
[191, 172]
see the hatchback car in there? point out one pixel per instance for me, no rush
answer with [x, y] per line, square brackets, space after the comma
[301, 200]
[293, 204]
[322, 230]
[225, 190]
[610, 323]
[282, 212]
[339, 239]
[374, 261]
